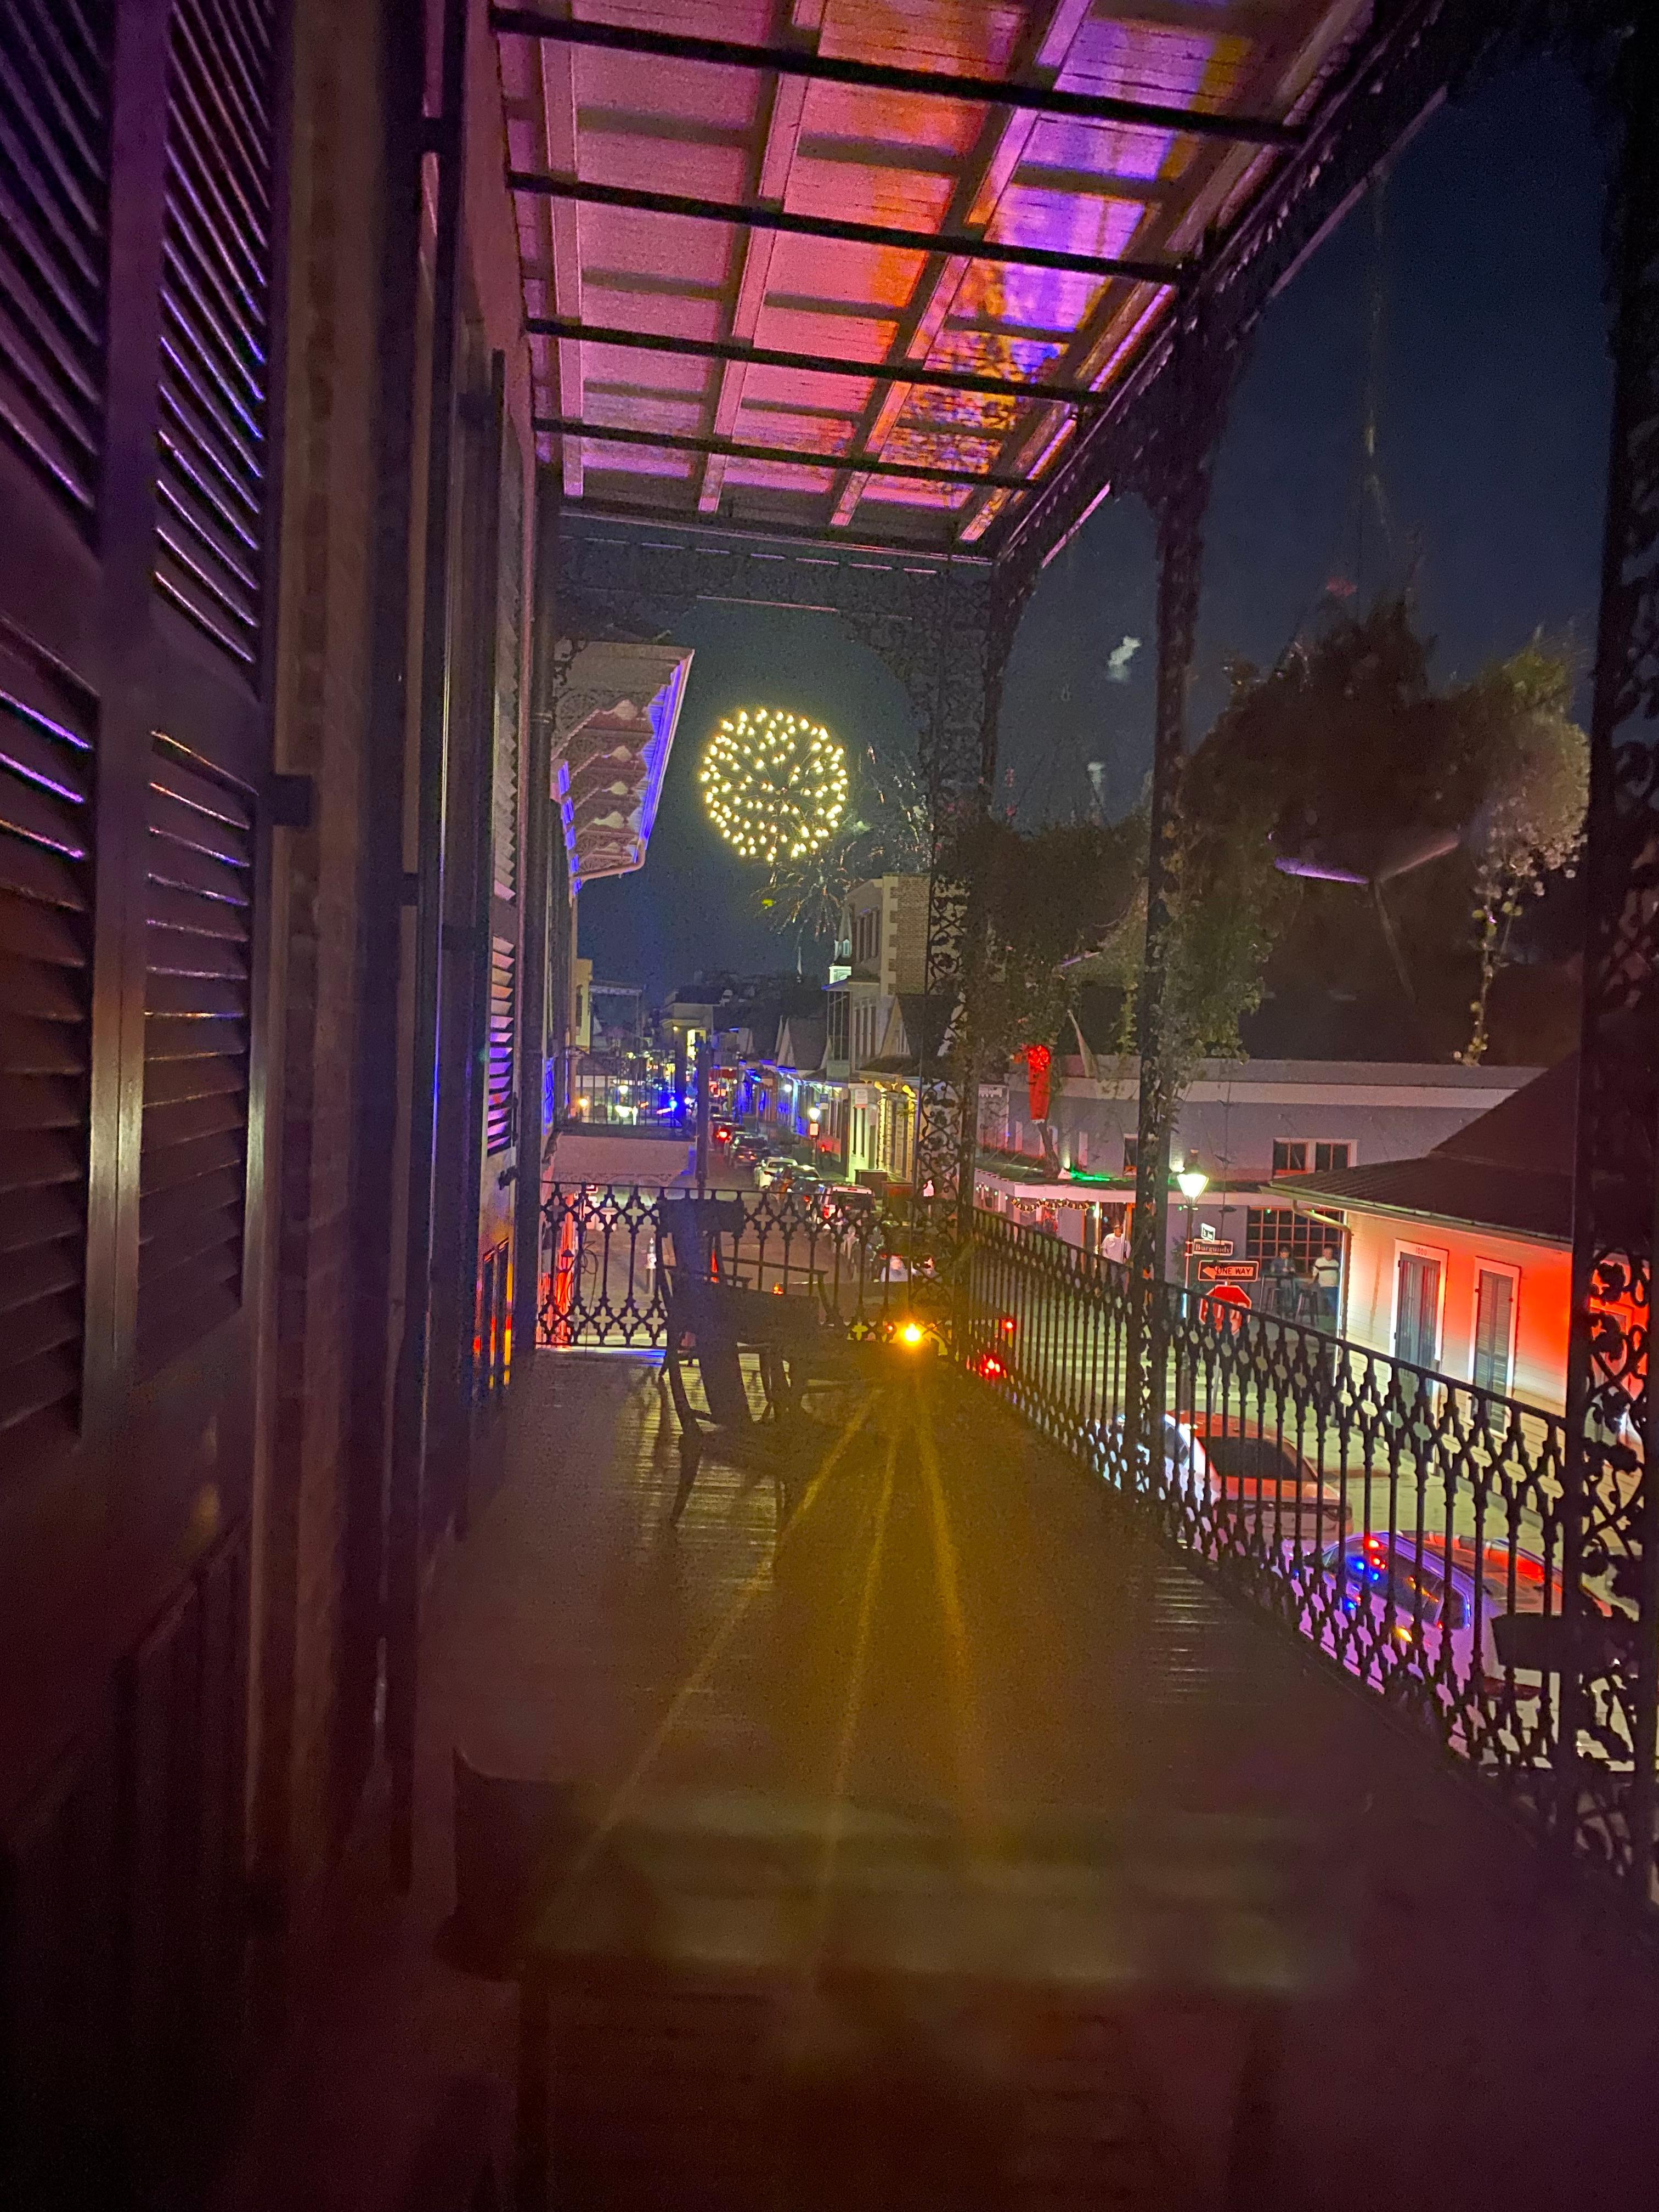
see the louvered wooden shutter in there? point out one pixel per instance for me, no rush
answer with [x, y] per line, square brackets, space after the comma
[54, 214]
[509, 645]
[215, 286]
[197, 1000]
[498, 1115]
[47, 725]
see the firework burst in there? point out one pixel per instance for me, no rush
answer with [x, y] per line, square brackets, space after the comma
[774, 783]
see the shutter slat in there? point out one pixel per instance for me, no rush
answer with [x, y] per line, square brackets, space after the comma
[176, 1207]
[38, 1215]
[54, 228]
[54, 1270]
[173, 815]
[46, 1385]
[48, 727]
[190, 1120]
[175, 1082]
[42, 1159]
[193, 994]
[498, 1108]
[28, 812]
[40, 1101]
[192, 1175]
[34, 757]
[28, 988]
[32, 1047]
[215, 298]
[191, 1161]
[49, 1322]
[184, 868]
[195, 1034]
[182, 914]
[166, 1330]
[186, 952]
[29, 931]
[199, 1252]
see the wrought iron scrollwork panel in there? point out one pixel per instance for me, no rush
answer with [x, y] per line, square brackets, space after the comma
[1614, 1468]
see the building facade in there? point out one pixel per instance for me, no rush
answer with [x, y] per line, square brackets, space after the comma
[869, 1049]
[1459, 1260]
[1247, 1126]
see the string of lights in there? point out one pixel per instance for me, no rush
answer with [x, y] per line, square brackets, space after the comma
[774, 783]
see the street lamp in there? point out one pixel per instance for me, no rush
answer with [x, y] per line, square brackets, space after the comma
[1192, 1182]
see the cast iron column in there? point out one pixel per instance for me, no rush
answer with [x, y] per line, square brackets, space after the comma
[1609, 1692]
[1178, 497]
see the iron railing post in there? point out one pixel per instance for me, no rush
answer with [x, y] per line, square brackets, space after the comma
[1610, 1700]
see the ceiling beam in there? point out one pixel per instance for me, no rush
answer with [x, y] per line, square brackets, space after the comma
[814, 364]
[771, 187]
[881, 76]
[564, 244]
[961, 246]
[1002, 146]
[564, 426]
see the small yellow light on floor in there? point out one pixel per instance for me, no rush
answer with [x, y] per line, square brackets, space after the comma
[912, 1332]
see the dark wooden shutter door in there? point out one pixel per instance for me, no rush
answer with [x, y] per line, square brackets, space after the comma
[500, 1163]
[54, 214]
[197, 1009]
[215, 337]
[47, 732]
[138, 239]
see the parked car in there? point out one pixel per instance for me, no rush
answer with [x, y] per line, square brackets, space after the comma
[770, 1166]
[749, 1147]
[1255, 1477]
[1426, 1594]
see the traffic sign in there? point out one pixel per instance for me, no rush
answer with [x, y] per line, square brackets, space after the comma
[1228, 1271]
[1213, 1248]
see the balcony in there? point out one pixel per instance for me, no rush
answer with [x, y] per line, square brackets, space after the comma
[1303, 1931]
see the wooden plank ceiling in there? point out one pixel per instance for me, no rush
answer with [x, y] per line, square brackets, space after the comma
[763, 139]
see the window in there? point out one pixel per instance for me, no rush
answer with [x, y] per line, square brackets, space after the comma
[1131, 1154]
[1296, 1155]
[1494, 1329]
[1416, 1309]
[1279, 1232]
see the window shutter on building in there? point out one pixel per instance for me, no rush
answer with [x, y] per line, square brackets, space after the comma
[197, 1007]
[216, 298]
[47, 728]
[54, 215]
[498, 1114]
[508, 648]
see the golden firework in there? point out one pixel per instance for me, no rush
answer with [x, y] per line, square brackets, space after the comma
[773, 783]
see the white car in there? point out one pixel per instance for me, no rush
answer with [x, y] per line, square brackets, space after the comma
[1255, 1478]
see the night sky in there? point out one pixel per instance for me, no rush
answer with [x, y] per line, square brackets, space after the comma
[1493, 426]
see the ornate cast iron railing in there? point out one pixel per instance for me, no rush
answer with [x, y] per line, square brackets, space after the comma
[606, 1251]
[1411, 1527]
[1408, 1524]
